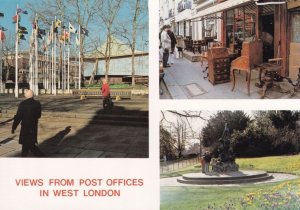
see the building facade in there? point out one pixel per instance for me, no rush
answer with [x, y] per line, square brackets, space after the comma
[231, 22]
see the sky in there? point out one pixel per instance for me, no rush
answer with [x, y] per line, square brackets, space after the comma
[198, 124]
[8, 7]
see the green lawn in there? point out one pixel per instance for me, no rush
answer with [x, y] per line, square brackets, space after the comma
[282, 195]
[286, 164]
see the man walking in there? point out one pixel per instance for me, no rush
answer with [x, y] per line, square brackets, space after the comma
[166, 45]
[28, 114]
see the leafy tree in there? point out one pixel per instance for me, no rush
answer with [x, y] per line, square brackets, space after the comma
[236, 120]
[167, 143]
[282, 119]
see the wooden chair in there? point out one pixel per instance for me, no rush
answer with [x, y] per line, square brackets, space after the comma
[251, 56]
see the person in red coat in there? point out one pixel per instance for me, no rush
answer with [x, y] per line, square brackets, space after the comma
[105, 92]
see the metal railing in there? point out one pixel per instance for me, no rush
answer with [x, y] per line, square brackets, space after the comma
[170, 166]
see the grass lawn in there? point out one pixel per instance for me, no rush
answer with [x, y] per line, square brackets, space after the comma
[286, 164]
[281, 195]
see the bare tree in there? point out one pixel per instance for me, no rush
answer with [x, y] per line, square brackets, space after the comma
[181, 134]
[130, 28]
[8, 51]
[108, 11]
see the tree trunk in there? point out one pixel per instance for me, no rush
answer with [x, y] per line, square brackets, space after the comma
[94, 72]
[107, 54]
[136, 14]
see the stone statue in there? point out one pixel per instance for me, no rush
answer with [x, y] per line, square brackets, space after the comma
[225, 161]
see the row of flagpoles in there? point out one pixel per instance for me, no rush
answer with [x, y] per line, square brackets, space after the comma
[46, 54]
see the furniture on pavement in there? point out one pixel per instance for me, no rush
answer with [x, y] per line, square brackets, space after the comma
[252, 55]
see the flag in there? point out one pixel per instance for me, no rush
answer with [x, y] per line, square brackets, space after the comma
[16, 17]
[77, 41]
[65, 37]
[1, 14]
[72, 29]
[42, 32]
[21, 36]
[49, 38]
[34, 25]
[57, 23]
[2, 28]
[22, 11]
[2, 35]
[23, 31]
[84, 31]
[22, 28]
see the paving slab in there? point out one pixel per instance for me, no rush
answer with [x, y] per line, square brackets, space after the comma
[184, 72]
[90, 154]
[83, 130]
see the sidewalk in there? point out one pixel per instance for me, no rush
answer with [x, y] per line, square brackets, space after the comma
[71, 128]
[184, 80]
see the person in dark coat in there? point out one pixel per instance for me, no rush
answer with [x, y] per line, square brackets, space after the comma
[28, 114]
[207, 159]
[173, 44]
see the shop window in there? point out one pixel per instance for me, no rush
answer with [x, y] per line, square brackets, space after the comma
[240, 26]
[211, 26]
[296, 27]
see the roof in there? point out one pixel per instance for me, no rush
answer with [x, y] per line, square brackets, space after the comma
[118, 49]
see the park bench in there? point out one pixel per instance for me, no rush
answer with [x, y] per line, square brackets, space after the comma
[90, 93]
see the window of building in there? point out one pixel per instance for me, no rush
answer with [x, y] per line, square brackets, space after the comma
[210, 26]
[240, 26]
[295, 27]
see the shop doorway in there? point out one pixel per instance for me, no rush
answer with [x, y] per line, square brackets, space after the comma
[267, 22]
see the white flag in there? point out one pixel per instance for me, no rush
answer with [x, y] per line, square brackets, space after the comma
[72, 29]
[77, 41]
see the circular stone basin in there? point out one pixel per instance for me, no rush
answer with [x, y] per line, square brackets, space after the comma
[237, 177]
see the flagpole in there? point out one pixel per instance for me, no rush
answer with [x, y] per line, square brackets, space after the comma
[17, 48]
[47, 65]
[54, 61]
[36, 76]
[64, 61]
[44, 66]
[68, 81]
[30, 61]
[79, 71]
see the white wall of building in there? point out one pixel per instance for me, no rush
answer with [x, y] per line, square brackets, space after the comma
[193, 27]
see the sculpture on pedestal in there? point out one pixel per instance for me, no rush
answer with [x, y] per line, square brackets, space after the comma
[225, 161]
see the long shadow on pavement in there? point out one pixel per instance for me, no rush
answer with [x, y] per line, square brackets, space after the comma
[118, 133]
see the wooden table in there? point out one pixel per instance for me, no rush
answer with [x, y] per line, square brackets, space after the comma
[204, 56]
[270, 72]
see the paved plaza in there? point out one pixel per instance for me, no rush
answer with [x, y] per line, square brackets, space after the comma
[73, 129]
[185, 80]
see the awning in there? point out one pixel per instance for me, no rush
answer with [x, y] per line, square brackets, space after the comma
[220, 7]
[184, 15]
